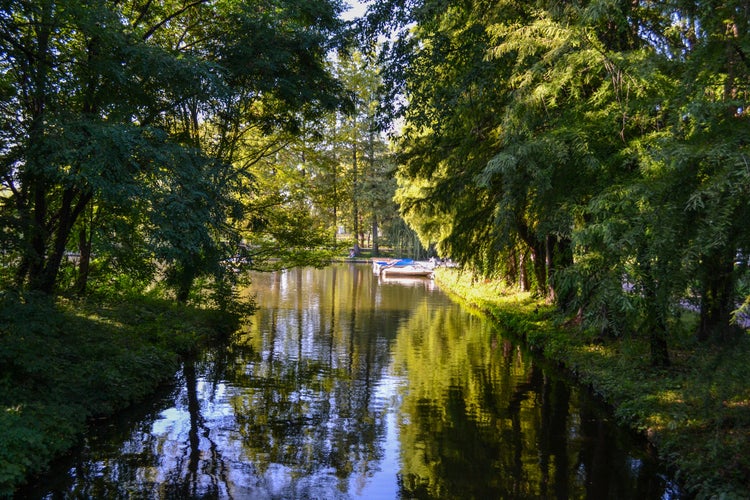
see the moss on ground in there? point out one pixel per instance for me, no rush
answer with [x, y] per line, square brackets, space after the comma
[62, 364]
[696, 413]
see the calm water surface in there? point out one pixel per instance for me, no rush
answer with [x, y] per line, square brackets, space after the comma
[346, 386]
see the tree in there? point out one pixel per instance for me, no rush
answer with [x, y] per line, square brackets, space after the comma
[709, 147]
[448, 137]
[484, 168]
[599, 138]
[366, 148]
[64, 144]
[338, 165]
[124, 102]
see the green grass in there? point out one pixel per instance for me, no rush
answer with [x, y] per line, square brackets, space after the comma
[696, 413]
[64, 363]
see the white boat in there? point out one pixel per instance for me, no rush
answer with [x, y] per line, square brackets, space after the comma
[379, 264]
[395, 268]
[406, 271]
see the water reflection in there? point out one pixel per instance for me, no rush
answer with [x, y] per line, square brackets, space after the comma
[345, 386]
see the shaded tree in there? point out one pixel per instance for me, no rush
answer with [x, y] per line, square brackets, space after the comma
[600, 139]
[146, 106]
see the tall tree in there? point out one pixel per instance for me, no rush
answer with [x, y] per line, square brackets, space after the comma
[344, 156]
[601, 139]
[710, 148]
[123, 102]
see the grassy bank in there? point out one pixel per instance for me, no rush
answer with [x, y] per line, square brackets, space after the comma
[696, 413]
[63, 364]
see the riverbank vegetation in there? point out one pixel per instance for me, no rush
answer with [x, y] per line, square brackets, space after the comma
[695, 413]
[68, 362]
[594, 153]
[161, 149]
[593, 156]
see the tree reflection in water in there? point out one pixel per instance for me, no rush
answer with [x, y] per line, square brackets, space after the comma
[484, 421]
[345, 386]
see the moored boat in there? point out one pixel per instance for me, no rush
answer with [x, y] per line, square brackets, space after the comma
[394, 268]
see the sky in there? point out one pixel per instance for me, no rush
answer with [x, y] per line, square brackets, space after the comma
[357, 9]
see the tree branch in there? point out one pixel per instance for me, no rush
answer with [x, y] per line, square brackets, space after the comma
[149, 33]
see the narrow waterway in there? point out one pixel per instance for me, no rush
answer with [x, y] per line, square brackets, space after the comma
[343, 386]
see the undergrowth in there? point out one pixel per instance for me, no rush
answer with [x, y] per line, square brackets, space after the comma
[64, 363]
[696, 413]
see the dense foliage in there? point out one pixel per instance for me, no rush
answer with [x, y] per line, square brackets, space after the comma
[130, 129]
[158, 146]
[594, 152]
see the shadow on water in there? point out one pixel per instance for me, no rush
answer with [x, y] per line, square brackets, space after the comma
[345, 386]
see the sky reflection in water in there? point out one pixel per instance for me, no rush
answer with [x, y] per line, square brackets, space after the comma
[343, 386]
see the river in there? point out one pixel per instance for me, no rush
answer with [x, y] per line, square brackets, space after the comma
[345, 386]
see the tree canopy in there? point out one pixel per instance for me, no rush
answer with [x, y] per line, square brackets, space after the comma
[594, 151]
[133, 126]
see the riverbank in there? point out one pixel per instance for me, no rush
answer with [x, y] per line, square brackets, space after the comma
[63, 364]
[696, 413]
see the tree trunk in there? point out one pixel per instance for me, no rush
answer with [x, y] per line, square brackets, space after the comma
[559, 257]
[539, 264]
[375, 243]
[659, 351]
[355, 195]
[511, 273]
[32, 262]
[538, 252]
[716, 298]
[656, 307]
[84, 249]
[657, 328]
[335, 212]
[33, 178]
[43, 277]
[185, 279]
[548, 258]
[523, 275]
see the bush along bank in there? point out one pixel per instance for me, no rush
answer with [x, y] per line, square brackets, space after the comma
[695, 413]
[62, 364]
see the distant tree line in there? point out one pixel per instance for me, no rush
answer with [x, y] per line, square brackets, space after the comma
[594, 152]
